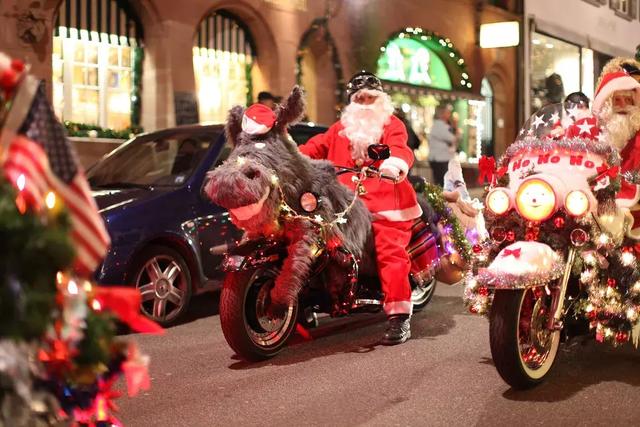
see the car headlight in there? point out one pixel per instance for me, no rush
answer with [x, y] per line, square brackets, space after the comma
[498, 201]
[577, 203]
[535, 200]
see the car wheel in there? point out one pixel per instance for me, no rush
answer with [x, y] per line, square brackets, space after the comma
[164, 281]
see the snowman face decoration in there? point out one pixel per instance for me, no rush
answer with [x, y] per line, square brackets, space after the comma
[535, 200]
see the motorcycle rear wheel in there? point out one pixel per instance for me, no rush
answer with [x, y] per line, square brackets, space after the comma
[523, 349]
[248, 328]
[421, 294]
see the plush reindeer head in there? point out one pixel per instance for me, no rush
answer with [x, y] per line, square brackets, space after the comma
[263, 158]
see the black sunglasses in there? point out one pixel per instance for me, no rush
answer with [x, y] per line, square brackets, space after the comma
[361, 81]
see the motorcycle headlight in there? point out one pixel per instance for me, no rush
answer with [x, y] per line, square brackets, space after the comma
[309, 202]
[498, 201]
[535, 200]
[576, 203]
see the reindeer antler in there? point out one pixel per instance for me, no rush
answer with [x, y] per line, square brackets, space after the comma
[291, 110]
[234, 124]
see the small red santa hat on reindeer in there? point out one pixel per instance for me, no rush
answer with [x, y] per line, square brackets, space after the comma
[258, 119]
[613, 82]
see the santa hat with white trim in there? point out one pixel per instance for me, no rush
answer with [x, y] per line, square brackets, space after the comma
[613, 82]
[258, 119]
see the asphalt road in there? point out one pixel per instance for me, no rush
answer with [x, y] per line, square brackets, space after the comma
[443, 376]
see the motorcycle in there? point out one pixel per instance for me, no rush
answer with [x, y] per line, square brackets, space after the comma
[557, 262]
[252, 267]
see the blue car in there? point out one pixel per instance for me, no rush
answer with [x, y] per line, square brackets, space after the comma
[167, 239]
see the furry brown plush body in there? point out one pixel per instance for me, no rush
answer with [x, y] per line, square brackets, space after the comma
[246, 179]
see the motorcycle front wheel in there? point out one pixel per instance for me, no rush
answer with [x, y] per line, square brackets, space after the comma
[249, 329]
[522, 347]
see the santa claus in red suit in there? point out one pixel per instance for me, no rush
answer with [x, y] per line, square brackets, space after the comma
[617, 106]
[368, 119]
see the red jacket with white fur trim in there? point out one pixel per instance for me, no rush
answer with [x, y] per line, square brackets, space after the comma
[629, 194]
[385, 200]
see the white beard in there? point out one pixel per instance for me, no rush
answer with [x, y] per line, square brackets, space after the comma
[620, 128]
[364, 124]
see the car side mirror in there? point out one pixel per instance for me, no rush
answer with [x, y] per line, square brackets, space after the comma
[378, 151]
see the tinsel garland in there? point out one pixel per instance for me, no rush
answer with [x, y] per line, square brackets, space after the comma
[531, 144]
[448, 220]
[501, 280]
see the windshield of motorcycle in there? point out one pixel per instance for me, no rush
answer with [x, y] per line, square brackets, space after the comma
[562, 120]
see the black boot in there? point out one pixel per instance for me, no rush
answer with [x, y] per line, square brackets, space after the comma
[398, 329]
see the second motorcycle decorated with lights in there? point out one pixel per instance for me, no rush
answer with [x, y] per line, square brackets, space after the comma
[557, 262]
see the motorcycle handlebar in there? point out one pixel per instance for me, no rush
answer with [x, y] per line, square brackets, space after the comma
[371, 172]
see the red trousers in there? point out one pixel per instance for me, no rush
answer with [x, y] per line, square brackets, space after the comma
[391, 240]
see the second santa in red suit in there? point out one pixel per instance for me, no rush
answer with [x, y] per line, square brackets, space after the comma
[617, 104]
[368, 119]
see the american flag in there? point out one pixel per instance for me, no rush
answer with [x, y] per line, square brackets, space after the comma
[40, 160]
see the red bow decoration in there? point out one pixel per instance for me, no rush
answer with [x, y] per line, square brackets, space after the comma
[514, 252]
[605, 170]
[487, 168]
[125, 303]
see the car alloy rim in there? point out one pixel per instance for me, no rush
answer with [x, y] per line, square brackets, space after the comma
[162, 285]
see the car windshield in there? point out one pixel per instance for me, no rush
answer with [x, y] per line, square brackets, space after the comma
[162, 161]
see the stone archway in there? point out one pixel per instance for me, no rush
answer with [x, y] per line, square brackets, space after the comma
[266, 70]
[319, 72]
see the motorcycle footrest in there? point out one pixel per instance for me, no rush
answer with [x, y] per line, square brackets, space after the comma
[361, 302]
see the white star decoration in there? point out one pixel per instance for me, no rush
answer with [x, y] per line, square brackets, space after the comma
[538, 121]
[585, 128]
[318, 218]
[341, 220]
[601, 137]
[555, 117]
[521, 132]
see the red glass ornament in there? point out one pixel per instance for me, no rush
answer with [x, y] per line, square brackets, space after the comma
[579, 237]
[483, 291]
[498, 234]
[473, 310]
[558, 222]
[8, 79]
[477, 249]
[511, 235]
[611, 282]
[622, 336]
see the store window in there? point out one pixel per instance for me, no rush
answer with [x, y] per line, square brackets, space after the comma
[421, 70]
[556, 70]
[625, 8]
[223, 56]
[96, 64]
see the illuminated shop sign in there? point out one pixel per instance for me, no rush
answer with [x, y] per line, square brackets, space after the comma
[408, 60]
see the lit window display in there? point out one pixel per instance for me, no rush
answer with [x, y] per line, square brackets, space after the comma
[223, 55]
[222, 81]
[92, 78]
[422, 70]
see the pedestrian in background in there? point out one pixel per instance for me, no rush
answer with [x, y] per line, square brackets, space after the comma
[268, 99]
[442, 143]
